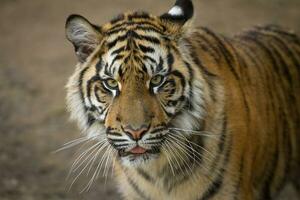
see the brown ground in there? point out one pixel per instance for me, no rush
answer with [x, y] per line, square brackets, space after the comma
[35, 62]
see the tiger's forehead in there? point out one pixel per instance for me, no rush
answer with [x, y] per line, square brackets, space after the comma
[133, 20]
[134, 42]
[132, 28]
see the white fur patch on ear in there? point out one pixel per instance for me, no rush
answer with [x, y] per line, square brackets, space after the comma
[176, 11]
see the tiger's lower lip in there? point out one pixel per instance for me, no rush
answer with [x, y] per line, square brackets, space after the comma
[138, 150]
[123, 153]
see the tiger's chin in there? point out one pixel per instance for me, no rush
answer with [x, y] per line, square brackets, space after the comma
[137, 160]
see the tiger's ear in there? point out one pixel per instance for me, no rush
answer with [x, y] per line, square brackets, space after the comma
[84, 36]
[178, 17]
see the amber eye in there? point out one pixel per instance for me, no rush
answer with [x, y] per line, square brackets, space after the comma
[111, 84]
[156, 80]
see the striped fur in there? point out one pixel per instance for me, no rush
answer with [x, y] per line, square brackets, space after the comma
[238, 97]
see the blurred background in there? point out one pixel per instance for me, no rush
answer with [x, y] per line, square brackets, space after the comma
[35, 63]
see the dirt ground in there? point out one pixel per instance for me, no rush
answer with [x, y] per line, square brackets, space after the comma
[35, 62]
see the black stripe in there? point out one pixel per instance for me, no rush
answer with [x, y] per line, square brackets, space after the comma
[144, 69]
[136, 188]
[145, 175]
[114, 133]
[254, 58]
[260, 62]
[166, 112]
[116, 140]
[133, 34]
[145, 57]
[137, 27]
[158, 130]
[125, 25]
[213, 188]
[286, 34]
[107, 70]
[97, 89]
[190, 82]
[179, 75]
[170, 60]
[148, 38]
[119, 50]
[118, 57]
[152, 39]
[148, 29]
[221, 145]
[185, 166]
[238, 184]
[89, 84]
[138, 15]
[81, 87]
[225, 52]
[208, 47]
[204, 70]
[287, 153]
[207, 75]
[157, 137]
[242, 64]
[266, 190]
[116, 31]
[282, 68]
[119, 147]
[217, 184]
[118, 39]
[91, 120]
[251, 37]
[99, 65]
[285, 49]
[145, 49]
[117, 19]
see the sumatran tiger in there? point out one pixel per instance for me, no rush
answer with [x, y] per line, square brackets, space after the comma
[185, 113]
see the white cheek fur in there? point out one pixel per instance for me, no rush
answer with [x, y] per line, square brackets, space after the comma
[75, 106]
[74, 101]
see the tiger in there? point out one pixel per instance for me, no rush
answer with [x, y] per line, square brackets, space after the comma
[188, 114]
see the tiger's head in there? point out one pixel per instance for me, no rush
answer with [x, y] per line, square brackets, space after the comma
[134, 84]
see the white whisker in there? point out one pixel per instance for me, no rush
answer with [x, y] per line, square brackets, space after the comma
[189, 147]
[168, 159]
[189, 141]
[73, 143]
[180, 157]
[200, 133]
[98, 152]
[97, 168]
[77, 163]
[172, 154]
[106, 168]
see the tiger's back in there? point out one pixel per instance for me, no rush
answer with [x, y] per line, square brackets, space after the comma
[260, 69]
[275, 105]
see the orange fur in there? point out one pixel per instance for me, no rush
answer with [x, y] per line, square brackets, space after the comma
[242, 92]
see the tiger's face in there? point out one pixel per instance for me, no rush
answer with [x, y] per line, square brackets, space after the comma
[132, 83]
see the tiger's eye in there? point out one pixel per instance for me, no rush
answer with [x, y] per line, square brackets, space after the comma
[156, 80]
[111, 83]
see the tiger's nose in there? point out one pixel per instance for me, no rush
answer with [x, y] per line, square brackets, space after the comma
[135, 134]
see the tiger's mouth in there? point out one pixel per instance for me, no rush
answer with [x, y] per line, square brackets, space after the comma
[138, 151]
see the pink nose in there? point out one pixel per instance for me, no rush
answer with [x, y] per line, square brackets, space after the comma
[136, 134]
